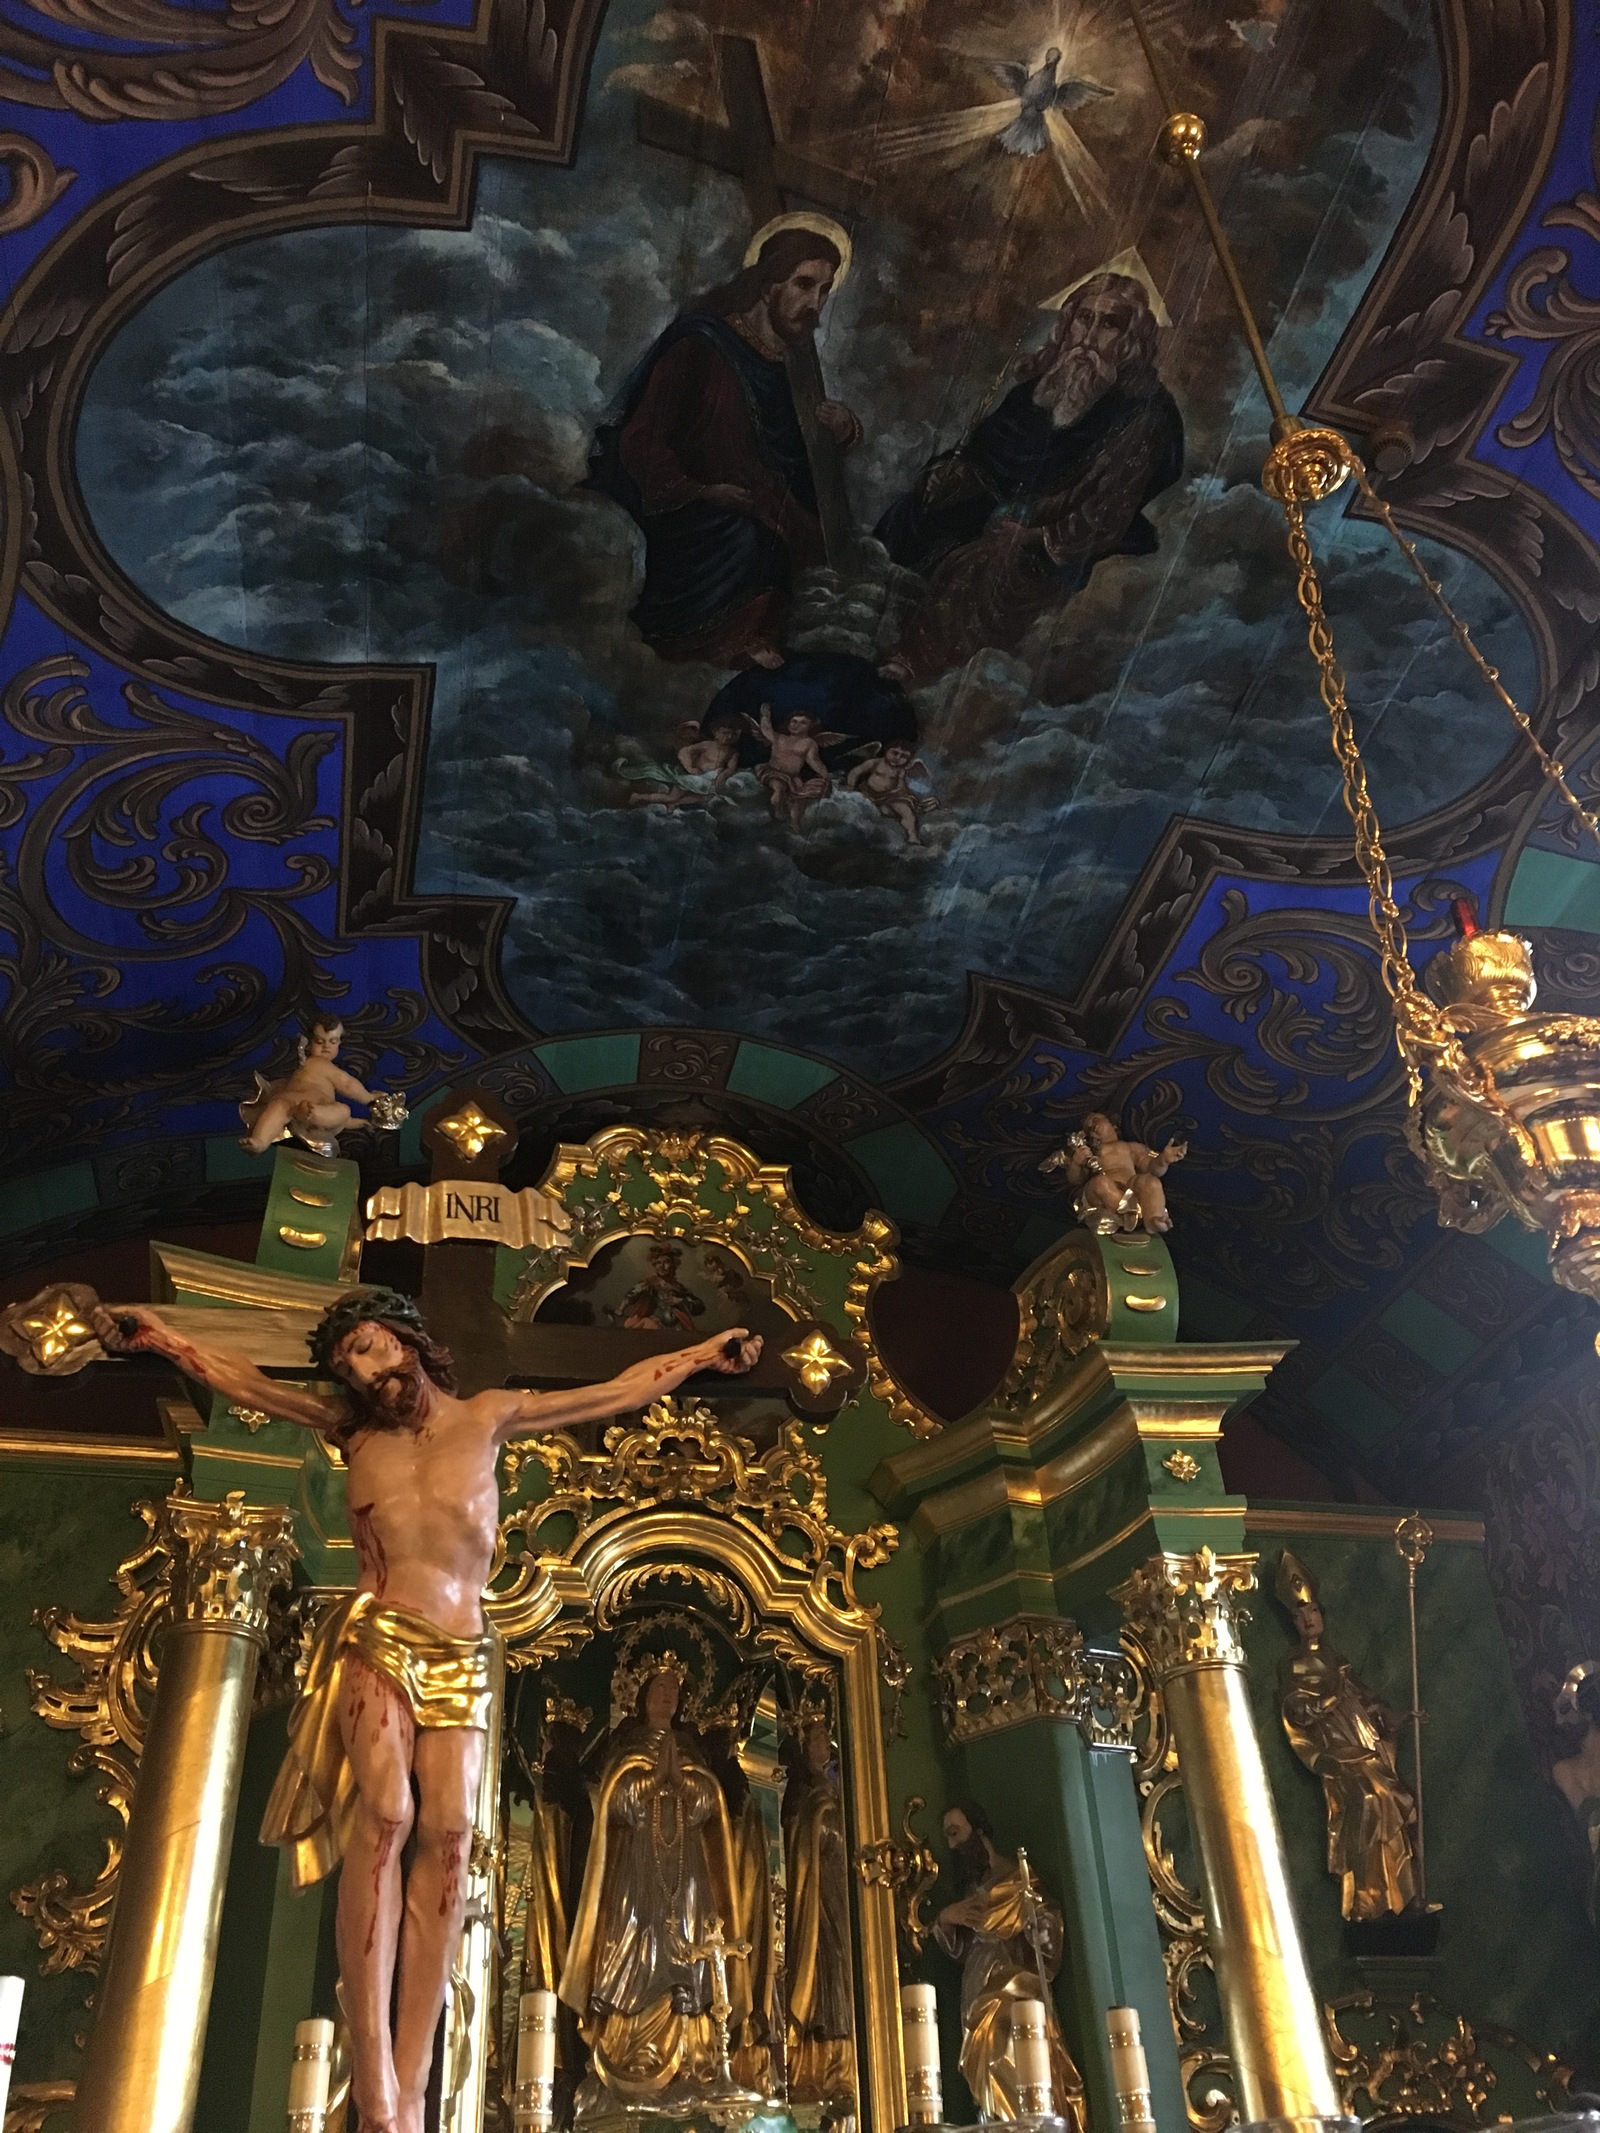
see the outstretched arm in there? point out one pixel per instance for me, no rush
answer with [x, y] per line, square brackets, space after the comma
[530, 1414]
[135, 1330]
[347, 1085]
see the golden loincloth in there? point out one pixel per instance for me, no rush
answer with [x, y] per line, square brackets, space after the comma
[445, 1680]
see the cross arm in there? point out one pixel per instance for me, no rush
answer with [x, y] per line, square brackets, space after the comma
[651, 1378]
[136, 1329]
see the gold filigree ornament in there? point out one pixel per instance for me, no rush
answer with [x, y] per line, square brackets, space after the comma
[1035, 1666]
[51, 1335]
[1182, 1465]
[33, 2102]
[673, 1488]
[683, 1456]
[1415, 2059]
[704, 1188]
[211, 1562]
[908, 1868]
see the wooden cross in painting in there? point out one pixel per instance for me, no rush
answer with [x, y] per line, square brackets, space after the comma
[776, 178]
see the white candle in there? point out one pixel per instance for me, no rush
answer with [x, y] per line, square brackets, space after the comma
[10, 2011]
[919, 2023]
[312, 2065]
[1030, 2054]
[1129, 2070]
[536, 2037]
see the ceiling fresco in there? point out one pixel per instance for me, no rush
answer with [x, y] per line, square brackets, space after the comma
[881, 727]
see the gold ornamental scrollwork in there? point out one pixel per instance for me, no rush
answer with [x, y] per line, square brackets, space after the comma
[1185, 1611]
[673, 1491]
[202, 1562]
[909, 1868]
[1417, 2059]
[682, 1455]
[1036, 1666]
[703, 1188]
[108, 1706]
[33, 2102]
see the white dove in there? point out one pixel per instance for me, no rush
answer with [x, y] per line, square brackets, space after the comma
[1039, 93]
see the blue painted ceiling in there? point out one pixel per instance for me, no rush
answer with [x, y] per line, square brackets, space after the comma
[319, 684]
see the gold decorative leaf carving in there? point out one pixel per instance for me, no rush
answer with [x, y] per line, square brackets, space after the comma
[211, 1562]
[707, 1189]
[673, 1455]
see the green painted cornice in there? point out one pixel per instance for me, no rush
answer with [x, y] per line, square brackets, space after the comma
[1042, 1507]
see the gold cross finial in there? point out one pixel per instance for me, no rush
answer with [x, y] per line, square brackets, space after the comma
[469, 1131]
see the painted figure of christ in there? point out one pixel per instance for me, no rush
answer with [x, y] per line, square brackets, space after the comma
[387, 1740]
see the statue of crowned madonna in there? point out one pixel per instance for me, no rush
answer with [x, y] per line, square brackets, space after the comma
[658, 1932]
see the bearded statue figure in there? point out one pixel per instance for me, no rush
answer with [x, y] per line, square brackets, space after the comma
[1004, 1932]
[661, 1872]
[1345, 1736]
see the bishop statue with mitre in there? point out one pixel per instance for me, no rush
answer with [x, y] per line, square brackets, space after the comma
[398, 1688]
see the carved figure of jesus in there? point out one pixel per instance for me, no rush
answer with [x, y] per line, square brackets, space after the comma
[398, 1685]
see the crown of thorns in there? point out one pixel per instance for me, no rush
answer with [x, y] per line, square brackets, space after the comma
[384, 1307]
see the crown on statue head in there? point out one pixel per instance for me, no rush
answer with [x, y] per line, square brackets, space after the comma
[633, 1676]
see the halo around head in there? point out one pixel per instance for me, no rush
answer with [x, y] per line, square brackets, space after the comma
[640, 1656]
[819, 226]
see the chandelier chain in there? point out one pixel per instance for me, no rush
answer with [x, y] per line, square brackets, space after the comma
[1554, 770]
[1421, 1031]
[1415, 1019]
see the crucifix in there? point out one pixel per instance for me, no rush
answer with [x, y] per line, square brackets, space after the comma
[776, 177]
[715, 1949]
[390, 1732]
[459, 1218]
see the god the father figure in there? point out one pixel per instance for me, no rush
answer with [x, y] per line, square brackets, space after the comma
[399, 1682]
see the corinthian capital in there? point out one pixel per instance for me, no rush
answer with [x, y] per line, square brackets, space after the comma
[1184, 1609]
[227, 1558]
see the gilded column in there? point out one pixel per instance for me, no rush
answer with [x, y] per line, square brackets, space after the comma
[142, 2068]
[1184, 1611]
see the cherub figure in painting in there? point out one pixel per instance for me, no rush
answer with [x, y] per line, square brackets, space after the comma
[309, 1104]
[706, 757]
[1117, 1183]
[885, 779]
[794, 773]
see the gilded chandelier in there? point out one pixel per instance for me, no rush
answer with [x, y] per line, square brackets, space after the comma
[1504, 1103]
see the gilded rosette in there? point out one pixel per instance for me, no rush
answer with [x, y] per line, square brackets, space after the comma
[1306, 465]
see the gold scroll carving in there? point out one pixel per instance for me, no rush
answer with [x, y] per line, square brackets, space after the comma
[207, 1562]
[703, 1188]
[1035, 1666]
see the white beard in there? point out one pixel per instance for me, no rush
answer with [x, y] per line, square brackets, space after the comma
[1071, 386]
